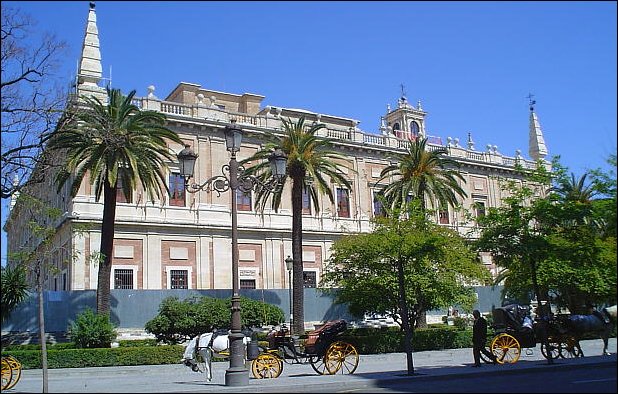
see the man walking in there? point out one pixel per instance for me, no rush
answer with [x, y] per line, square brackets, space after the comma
[479, 338]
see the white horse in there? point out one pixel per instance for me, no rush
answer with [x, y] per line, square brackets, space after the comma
[201, 349]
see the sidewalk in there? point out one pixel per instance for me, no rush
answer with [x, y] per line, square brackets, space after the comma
[443, 364]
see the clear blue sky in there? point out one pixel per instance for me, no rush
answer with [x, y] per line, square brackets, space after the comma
[471, 64]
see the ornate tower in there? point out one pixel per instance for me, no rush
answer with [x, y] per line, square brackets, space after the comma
[405, 121]
[536, 143]
[89, 72]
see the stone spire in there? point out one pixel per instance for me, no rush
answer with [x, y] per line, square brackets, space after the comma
[536, 143]
[89, 72]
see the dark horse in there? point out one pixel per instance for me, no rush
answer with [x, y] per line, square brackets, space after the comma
[599, 323]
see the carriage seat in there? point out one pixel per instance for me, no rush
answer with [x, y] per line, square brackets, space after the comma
[329, 329]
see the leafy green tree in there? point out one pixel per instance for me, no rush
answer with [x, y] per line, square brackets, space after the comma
[605, 187]
[410, 261]
[312, 166]
[422, 174]
[116, 144]
[551, 245]
[14, 288]
[34, 260]
[179, 320]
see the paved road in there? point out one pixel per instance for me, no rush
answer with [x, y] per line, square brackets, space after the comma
[372, 370]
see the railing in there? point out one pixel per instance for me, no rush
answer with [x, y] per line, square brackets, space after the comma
[475, 156]
[339, 134]
[433, 142]
[177, 109]
[374, 139]
[138, 102]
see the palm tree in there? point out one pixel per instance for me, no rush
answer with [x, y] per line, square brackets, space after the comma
[419, 174]
[311, 166]
[14, 289]
[117, 144]
[575, 189]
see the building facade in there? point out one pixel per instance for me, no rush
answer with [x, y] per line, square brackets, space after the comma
[183, 241]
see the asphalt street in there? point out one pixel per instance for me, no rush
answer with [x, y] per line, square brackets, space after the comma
[372, 370]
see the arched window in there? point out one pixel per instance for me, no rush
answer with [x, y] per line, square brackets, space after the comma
[396, 126]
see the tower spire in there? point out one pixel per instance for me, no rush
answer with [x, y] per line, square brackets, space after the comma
[536, 143]
[89, 72]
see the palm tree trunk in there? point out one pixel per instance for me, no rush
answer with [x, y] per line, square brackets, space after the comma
[298, 290]
[107, 247]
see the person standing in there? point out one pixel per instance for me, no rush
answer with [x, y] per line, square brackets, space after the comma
[479, 339]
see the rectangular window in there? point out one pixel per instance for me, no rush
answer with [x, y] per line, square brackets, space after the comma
[306, 202]
[123, 279]
[247, 283]
[243, 200]
[309, 279]
[179, 279]
[177, 190]
[443, 215]
[343, 203]
[378, 209]
[480, 209]
[64, 281]
[120, 196]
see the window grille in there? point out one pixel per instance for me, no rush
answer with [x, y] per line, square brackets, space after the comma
[309, 279]
[247, 283]
[123, 279]
[179, 279]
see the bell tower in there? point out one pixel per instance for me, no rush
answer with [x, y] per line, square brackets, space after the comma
[406, 121]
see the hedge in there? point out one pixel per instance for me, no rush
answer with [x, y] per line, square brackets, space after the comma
[107, 357]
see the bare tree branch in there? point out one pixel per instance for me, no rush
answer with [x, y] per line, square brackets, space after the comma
[32, 102]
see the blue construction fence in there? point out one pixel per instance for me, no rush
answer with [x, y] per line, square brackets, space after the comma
[131, 309]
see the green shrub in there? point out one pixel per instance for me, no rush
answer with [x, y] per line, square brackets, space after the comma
[91, 330]
[37, 346]
[461, 323]
[121, 356]
[137, 342]
[181, 320]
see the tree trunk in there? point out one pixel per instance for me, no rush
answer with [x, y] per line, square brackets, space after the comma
[298, 290]
[42, 338]
[405, 318]
[543, 311]
[107, 247]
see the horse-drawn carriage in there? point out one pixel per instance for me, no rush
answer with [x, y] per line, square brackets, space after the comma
[321, 349]
[514, 329]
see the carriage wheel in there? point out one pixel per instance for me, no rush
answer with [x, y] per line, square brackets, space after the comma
[341, 357]
[506, 349]
[569, 348]
[317, 363]
[15, 371]
[7, 374]
[555, 348]
[266, 366]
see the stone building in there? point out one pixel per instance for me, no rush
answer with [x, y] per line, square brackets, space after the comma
[183, 241]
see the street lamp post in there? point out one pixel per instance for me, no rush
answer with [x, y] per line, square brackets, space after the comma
[289, 264]
[237, 374]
